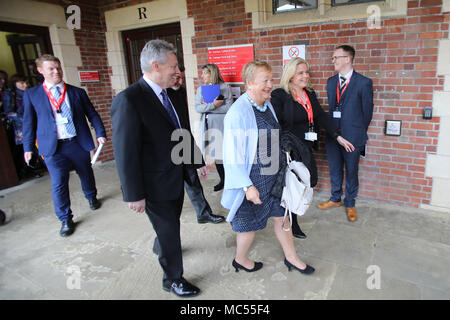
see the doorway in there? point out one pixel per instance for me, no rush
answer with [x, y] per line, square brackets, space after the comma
[135, 40]
[21, 45]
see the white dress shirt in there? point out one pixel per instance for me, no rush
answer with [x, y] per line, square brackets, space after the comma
[60, 128]
[346, 76]
[157, 90]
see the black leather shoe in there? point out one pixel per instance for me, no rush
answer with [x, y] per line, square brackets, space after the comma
[237, 266]
[67, 228]
[298, 233]
[307, 270]
[218, 186]
[94, 204]
[181, 288]
[212, 218]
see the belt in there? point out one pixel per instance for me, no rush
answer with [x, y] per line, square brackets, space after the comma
[67, 140]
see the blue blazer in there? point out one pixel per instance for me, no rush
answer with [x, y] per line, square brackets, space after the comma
[39, 121]
[356, 110]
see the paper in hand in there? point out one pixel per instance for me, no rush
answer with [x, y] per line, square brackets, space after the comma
[210, 92]
[97, 153]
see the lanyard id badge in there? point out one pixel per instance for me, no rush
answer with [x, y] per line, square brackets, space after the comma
[339, 93]
[311, 135]
[56, 105]
[306, 104]
[59, 119]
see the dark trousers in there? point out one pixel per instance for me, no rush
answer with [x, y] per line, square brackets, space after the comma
[196, 195]
[338, 158]
[69, 154]
[165, 218]
[220, 170]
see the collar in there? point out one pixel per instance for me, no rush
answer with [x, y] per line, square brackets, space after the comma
[49, 85]
[346, 76]
[155, 87]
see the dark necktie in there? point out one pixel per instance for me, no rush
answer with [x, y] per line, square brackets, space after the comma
[169, 109]
[342, 82]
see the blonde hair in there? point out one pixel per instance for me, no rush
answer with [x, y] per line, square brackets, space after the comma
[289, 71]
[214, 71]
[248, 72]
[46, 57]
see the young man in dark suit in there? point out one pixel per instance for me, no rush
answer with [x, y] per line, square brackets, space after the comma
[152, 180]
[350, 99]
[55, 114]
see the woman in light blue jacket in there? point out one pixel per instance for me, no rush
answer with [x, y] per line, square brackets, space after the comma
[211, 119]
[251, 160]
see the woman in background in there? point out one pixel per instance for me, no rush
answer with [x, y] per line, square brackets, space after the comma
[299, 111]
[211, 120]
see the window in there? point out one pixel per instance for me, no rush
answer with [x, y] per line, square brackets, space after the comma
[335, 3]
[280, 6]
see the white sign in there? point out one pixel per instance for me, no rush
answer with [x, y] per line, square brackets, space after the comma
[294, 51]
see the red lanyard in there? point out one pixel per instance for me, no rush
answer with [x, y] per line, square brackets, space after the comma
[307, 105]
[56, 105]
[339, 96]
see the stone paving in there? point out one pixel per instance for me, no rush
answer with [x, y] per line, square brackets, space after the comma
[109, 256]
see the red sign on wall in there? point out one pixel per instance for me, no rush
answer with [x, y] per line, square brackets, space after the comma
[231, 60]
[89, 76]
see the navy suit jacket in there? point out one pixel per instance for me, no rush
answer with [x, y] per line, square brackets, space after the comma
[356, 110]
[39, 121]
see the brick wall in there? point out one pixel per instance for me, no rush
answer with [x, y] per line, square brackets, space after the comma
[401, 58]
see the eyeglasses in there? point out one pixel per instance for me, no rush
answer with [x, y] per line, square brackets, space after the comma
[335, 57]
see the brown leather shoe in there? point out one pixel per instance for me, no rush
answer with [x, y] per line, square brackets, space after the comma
[351, 214]
[329, 204]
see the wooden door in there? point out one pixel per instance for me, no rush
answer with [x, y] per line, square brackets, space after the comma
[135, 40]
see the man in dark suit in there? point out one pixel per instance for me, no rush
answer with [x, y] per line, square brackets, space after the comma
[194, 190]
[55, 114]
[143, 121]
[350, 99]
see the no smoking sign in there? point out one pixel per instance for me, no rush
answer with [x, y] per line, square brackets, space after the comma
[291, 52]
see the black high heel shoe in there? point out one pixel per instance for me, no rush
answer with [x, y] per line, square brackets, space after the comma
[237, 266]
[296, 231]
[307, 270]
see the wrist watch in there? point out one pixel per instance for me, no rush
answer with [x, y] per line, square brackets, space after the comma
[246, 188]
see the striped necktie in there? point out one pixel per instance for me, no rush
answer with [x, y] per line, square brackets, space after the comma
[342, 82]
[65, 113]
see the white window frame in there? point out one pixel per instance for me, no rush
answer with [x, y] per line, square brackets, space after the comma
[263, 16]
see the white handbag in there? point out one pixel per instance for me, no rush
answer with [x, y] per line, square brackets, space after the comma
[297, 192]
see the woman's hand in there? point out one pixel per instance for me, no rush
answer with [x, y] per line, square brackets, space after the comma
[346, 144]
[218, 103]
[252, 195]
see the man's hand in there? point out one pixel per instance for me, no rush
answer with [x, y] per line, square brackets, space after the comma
[101, 140]
[346, 144]
[138, 206]
[27, 156]
[252, 195]
[203, 171]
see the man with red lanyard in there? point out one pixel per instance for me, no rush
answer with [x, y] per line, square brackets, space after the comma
[55, 114]
[350, 99]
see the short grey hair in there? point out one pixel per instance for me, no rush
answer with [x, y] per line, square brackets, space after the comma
[155, 50]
